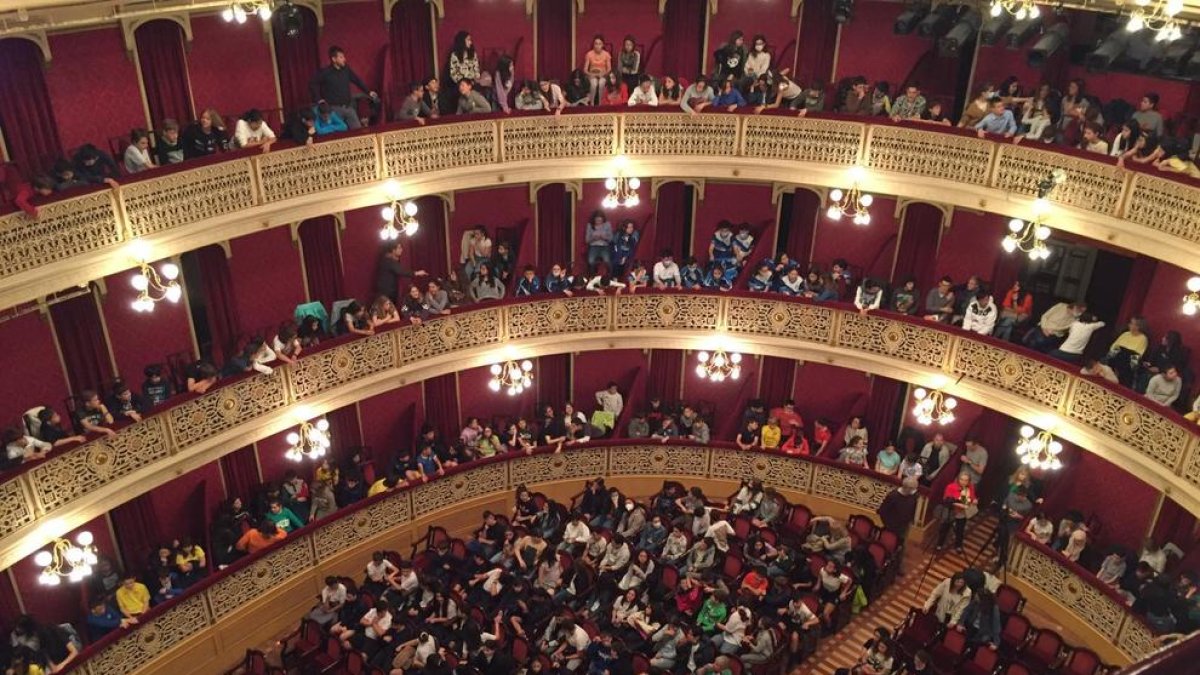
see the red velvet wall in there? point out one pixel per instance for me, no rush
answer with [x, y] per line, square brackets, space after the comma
[727, 399]
[496, 26]
[62, 603]
[358, 28]
[90, 108]
[971, 245]
[477, 400]
[1087, 484]
[175, 502]
[738, 203]
[219, 50]
[868, 36]
[870, 248]
[137, 339]
[1163, 312]
[591, 371]
[271, 459]
[10, 609]
[386, 419]
[827, 391]
[266, 277]
[360, 251]
[997, 62]
[642, 214]
[33, 374]
[614, 19]
[493, 208]
[772, 18]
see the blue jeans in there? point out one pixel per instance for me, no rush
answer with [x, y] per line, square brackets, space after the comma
[597, 254]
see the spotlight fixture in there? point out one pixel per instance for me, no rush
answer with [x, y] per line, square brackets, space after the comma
[290, 19]
[1022, 32]
[1031, 237]
[933, 407]
[1050, 43]
[622, 191]
[1108, 51]
[719, 365]
[938, 22]
[1020, 9]
[853, 202]
[995, 28]
[1191, 301]
[149, 282]
[310, 441]
[400, 216]
[907, 22]
[238, 12]
[511, 376]
[1159, 16]
[951, 44]
[64, 559]
[1038, 449]
[843, 10]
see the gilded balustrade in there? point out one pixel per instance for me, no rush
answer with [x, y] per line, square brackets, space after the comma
[181, 207]
[1157, 446]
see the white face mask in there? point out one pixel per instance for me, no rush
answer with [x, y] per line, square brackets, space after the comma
[628, 506]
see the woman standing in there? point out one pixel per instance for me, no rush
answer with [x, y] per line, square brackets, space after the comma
[597, 64]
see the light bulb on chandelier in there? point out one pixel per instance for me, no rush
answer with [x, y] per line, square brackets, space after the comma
[511, 376]
[933, 407]
[719, 365]
[1038, 449]
[153, 285]
[311, 440]
[1030, 236]
[852, 203]
[399, 217]
[1191, 301]
[1158, 16]
[622, 190]
[239, 12]
[65, 559]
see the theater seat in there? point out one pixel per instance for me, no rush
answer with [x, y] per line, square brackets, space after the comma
[946, 654]
[917, 632]
[983, 662]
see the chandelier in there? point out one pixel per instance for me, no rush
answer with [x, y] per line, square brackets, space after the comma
[1038, 449]
[1159, 16]
[1020, 9]
[622, 191]
[65, 559]
[310, 441]
[238, 12]
[933, 406]
[1191, 301]
[399, 217]
[1030, 237]
[719, 365]
[512, 376]
[852, 203]
[151, 287]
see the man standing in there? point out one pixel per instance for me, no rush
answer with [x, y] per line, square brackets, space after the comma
[389, 271]
[331, 85]
[975, 459]
[1053, 326]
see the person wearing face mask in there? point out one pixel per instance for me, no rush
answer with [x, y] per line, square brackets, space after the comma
[633, 519]
[758, 61]
[653, 536]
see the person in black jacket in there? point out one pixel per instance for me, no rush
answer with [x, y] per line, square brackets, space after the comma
[93, 166]
[168, 149]
[491, 661]
[434, 100]
[331, 85]
[206, 136]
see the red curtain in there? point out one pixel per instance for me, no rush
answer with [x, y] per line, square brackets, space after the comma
[1176, 525]
[801, 225]
[917, 250]
[322, 260]
[164, 71]
[138, 532]
[411, 54]
[10, 609]
[671, 226]
[553, 379]
[344, 431]
[775, 383]
[26, 116]
[296, 58]
[240, 471]
[684, 23]
[82, 344]
[441, 404]
[554, 51]
[818, 39]
[1137, 288]
[883, 408]
[428, 246]
[220, 302]
[666, 366]
[554, 226]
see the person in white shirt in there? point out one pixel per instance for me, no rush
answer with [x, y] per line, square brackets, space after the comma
[379, 572]
[1071, 350]
[576, 534]
[981, 314]
[644, 93]
[252, 131]
[137, 155]
[610, 399]
[666, 271]
[333, 597]
[1093, 368]
[21, 448]
[602, 281]
[375, 625]
[570, 652]
[733, 631]
[1165, 387]
[1156, 556]
[949, 599]
[868, 296]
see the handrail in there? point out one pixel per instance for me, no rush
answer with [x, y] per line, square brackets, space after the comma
[81, 235]
[50, 497]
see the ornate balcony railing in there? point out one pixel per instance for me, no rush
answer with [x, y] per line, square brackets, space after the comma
[177, 208]
[49, 498]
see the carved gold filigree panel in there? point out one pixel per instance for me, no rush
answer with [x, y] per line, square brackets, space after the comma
[640, 312]
[1165, 205]
[803, 140]
[558, 316]
[135, 650]
[186, 197]
[558, 137]
[325, 370]
[1135, 638]
[1090, 185]
[88, 467]
[450, 333]
[916, 152]
[226, 408]
[896, 339]
[1033, 379]
[657, 459]
[319, 167]
[811, 323]
[562, 466]
[344, 532]
[682, 134]
[1136, 425]
[61, 231]
[436, 148]
[772, 470]
[450, 490]
[849, 487]
[15, 508]
[294, 557]
[1087, 603]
